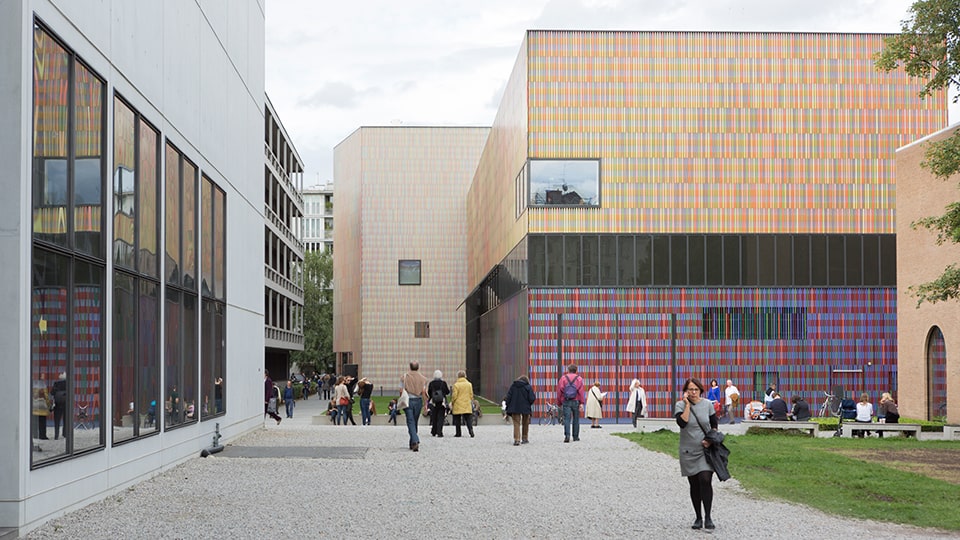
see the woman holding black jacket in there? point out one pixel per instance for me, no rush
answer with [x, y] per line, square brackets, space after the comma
[693, 413]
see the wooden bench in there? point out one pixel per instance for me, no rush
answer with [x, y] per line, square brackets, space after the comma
[812, 427]
[647, 425]
[951, 432]
[850, 426]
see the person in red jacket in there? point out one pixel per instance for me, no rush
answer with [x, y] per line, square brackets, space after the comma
[571, 399]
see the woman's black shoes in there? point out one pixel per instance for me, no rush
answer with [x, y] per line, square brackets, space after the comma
[708, 525]
[698, 524]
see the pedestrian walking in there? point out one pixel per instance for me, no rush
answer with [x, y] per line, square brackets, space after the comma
[461, 401]
[416, 386]
[571, 399]
[365, 389]
[438, 392]
[690, 413]
[520, 398]
[288, 400]
[270, 397]
[637, 402]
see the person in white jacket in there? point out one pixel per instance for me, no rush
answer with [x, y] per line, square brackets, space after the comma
[637, 403]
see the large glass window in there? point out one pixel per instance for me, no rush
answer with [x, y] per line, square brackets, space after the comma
[537, 261]
[661, 260]
[696, 260]
[564, 182]
[678, 260]
[571, 261]
[767, 260]
[714, 260]
[626, 263]
[590, 251]
[731, 261]
[801, 260]
[181, 364]
[66, 363]
[136, 370]
[555, 261]
[695, 250]
[644, 256]
[212, 353]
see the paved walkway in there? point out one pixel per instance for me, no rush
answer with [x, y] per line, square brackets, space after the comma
[306, 480]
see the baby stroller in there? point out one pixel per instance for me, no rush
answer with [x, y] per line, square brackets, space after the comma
[848, 411]
[755, 411]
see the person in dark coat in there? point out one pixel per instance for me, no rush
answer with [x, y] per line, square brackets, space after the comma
[438, 391]
[801, 410]
[520, 400]
[269, 409]
[60, 406]
[777, 407]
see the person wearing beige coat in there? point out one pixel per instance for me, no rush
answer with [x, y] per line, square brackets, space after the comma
[461, 400]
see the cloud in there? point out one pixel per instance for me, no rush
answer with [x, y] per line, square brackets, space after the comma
[332, 67]
[334, 94]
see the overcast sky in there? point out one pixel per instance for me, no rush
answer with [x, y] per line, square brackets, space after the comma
[332, 67]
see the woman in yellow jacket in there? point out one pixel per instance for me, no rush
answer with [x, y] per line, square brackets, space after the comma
[460, 403]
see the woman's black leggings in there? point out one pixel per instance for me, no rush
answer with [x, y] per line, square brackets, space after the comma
[701, 492]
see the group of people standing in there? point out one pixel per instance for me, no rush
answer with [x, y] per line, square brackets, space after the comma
[420, 392]
[48, 399]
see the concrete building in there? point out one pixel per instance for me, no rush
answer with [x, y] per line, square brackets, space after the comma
[131, 318]
[316, 228]
[664, 205]
[283, 250]
[927, 334]
[400, 285]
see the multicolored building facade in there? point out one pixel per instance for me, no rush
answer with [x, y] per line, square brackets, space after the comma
[661, 205]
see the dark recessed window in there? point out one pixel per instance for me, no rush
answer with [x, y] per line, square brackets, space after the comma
[409, 272]
[661, 260]
[714, 260]
[421, 329]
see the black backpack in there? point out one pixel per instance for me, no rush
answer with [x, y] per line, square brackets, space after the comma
[437, 396]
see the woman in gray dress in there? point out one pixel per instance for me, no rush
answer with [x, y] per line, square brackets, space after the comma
[694, 414]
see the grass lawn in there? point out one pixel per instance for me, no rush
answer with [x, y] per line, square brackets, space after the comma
[893, 479]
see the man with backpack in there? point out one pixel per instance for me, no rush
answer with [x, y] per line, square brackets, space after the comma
[571, 399]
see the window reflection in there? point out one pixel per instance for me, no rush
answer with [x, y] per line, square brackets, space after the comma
[564, 182]
[67, 291]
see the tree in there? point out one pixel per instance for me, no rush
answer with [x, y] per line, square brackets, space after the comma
[317, 354]
[928, 47]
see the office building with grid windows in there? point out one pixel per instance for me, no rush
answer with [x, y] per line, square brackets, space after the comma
[132, 160]
[317, 224]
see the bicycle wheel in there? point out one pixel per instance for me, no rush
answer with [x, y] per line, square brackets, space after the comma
[543, 419]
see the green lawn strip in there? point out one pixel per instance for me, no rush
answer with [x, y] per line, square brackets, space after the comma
[811, 472]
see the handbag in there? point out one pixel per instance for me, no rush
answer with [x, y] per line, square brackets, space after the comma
[272, 405]
[344, 401]
[404, 400]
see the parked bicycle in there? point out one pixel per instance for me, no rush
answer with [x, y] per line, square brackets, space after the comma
[550, 417]
[831, 406]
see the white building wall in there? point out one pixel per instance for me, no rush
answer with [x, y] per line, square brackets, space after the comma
[195, 70]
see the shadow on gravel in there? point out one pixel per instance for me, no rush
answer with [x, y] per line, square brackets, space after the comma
[303, 452]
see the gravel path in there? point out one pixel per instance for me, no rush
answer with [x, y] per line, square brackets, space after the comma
[362, 482]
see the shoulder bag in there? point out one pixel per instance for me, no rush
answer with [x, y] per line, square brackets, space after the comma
[404, 401]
